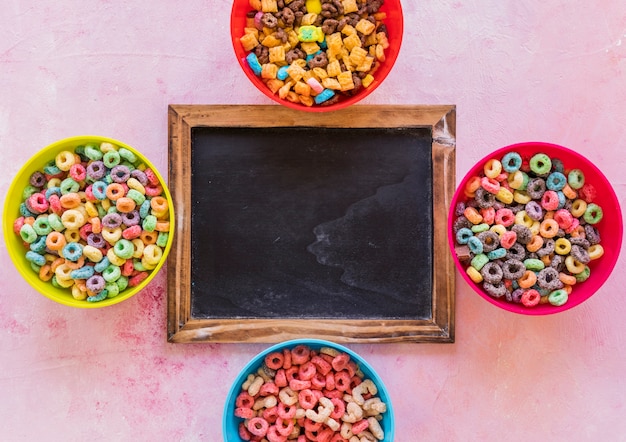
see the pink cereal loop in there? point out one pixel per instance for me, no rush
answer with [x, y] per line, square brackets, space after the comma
[78, 172]
[490, 185]
[152, 178]
[564, 218]
[505, 217]
[258, 426]
[550, 200]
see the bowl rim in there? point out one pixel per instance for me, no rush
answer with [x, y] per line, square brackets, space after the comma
[8, 219]
[311, 342]
[537, 146]
[390, 61]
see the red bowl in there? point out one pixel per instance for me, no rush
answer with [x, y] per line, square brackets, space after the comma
[610, 227]
[393, 22]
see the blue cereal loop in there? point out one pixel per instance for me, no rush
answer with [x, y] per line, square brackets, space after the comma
[55, 190]
[39, 245]
[99, 190]
[498, 253]
[463, 235]
[511, 162]
[35, 258]
[475, 245]
[25, 212]
[99, 297]
[51, 168]
[254, 64]
[72, 251]
[84, 272]
[144, 209]
[556, 181]
[562, 199]
[103, 264]
[325, 95]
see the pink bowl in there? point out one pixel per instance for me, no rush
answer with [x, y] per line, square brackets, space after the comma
[610, 227]
[393, 22]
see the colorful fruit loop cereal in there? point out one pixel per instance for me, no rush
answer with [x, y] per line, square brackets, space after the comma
[314, 51]
[306, 395]
[527, 229]
[94, 221]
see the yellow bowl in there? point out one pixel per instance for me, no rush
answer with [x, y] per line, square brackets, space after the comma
[14, 242]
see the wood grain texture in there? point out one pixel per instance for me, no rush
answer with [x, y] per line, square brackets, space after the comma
[183, 328]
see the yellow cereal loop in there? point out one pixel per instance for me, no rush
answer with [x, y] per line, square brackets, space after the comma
[595, 251]
[492, 168]
[535, 228]
[77, 293]
[562, 246]
[71, 235]
[114, 259]
[579, 207]
[139, 247]
[107, 147]
[522, 218]
[504, 195]
[499, 229]
[152, 254]
[111, 235]
[574, 266]
[92, 253]
[65, 160]
[474, 274]
[521, 197]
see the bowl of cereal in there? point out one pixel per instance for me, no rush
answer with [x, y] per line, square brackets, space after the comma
[88, 221]
[535, 228]
[311, 388]
[316, 55]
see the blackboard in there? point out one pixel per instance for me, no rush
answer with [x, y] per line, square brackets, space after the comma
[296, 225]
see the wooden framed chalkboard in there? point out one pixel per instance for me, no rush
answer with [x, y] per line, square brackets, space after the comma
[325, 225]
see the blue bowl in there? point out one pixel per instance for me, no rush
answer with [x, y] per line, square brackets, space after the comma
[230, 422]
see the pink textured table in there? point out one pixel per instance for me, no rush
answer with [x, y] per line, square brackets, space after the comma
[552, 71]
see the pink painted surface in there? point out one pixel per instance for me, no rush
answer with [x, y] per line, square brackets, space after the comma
[538, 70]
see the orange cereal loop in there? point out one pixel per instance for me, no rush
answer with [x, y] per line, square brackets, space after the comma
[148, 237]
[159, 204]
[568, 289]
[528, 279]
[56, 263]
[567, 279]
[472, 184]
[29, 220]
[115, 191]
[125, 205]
[162, 226]
[578, 232]
[544, 300]
[569, 192]
[549, 228]
[472, 215]
[96, 225]
[535, 243]
[75, 265]
[55, 240]
[546, 259]
[548, 214]
[45, 272]
[70, 200]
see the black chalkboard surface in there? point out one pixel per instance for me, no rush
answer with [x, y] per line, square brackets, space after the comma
[283, 216]
[327, 225]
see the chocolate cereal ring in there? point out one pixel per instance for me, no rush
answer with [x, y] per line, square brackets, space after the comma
[489, 239]
[535, 188]
[548, 278]
[548, 248]
[580, 254]
[513, 269]
[524, 234]
[497, 290]
[492, 273]
[516, 251]
[591, 234]
[484, 199]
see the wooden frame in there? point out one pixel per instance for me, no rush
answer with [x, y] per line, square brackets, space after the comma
[183, 328]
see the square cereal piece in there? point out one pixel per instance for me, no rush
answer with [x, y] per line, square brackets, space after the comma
[380, 53]
[277, 55]
[308, 19]
[333, 68]
[370, 40]
[301, 88]
[293, 97]
[309, 47]
[269, 71]
[331, 83]
[320, 73]
[285, 89]
[334, 42]
[345, 81]
[292, 38]
[381, 38]
[269, 6]
[357, 55]
[352, 41]
[349, 6]
[367, 80]
[271, 41]
[295, 72]
[365, 27]
[366, 66]
[306, 100]
[348, 30]
[274, 84]
[249, 41]
[255, 4]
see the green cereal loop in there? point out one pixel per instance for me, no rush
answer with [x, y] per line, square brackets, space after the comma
[149, 223]
[124, 249]
[482, 227]
[540, 163]
[593, 214]
[54, 281]
[162, 239]
[101, 211]
[80, 150]
[28, 191]
[111, 159]
[111, 273]
[68, 185]
[99, 297]
[534, 264]
[112, 209]
[479, 261]
[136, 196]
[558, 297]
[127, 155]
[498, 253]
[34, 267]
[137, 265]
[128, 164]
[93, 152]
[112, 290]
[51, 168]
[584, 275]
[42, 225]
[28, 233]
[122, 283]
[55, 222]
[576, 178]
